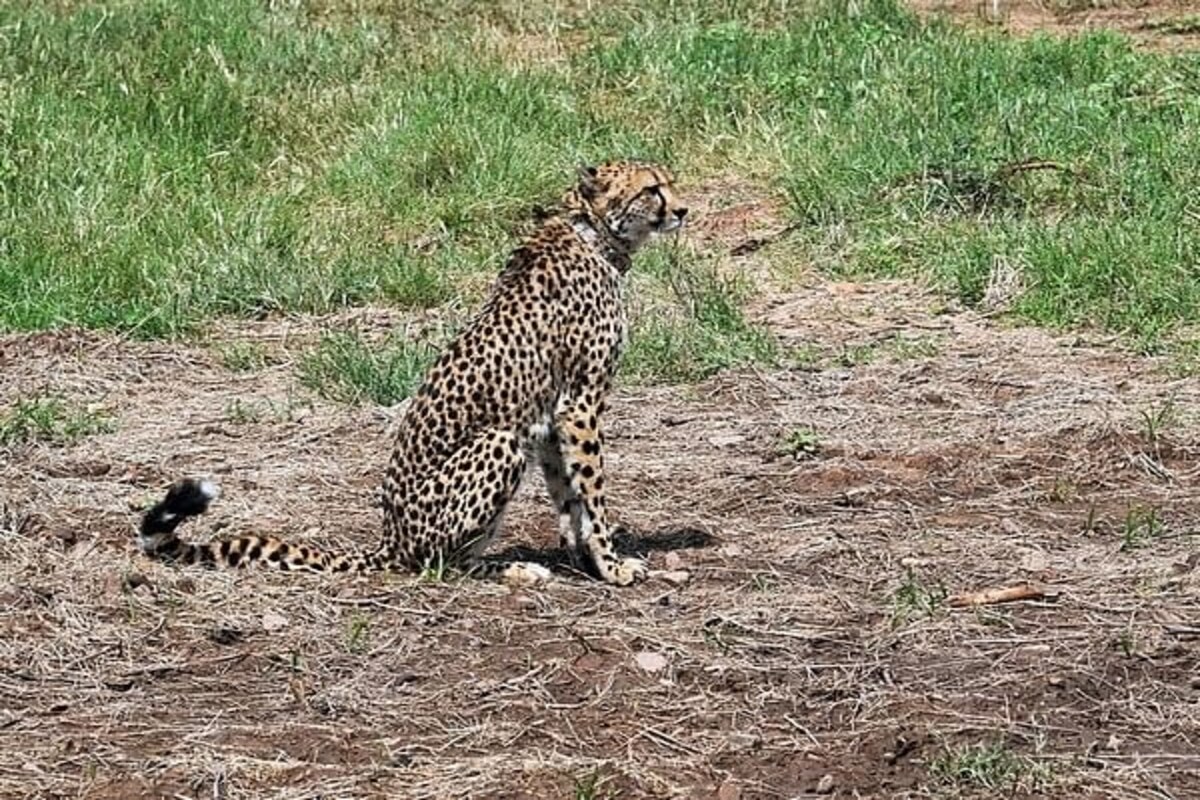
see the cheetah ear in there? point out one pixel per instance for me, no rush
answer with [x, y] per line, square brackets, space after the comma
[589, 186]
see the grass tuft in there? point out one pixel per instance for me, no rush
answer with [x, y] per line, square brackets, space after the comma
[240, 356]
[1142, 525]
[47, 418]
[800, 443]
[346, 369]
[989, 766]
[915, 598]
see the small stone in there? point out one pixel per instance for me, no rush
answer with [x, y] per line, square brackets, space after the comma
[740, 741]
[651, 662]
[673, 560]
[272, 621]
[133, 581]
[729, 791]
[1035, 561]
[855, 498]
[678, 577]
[726, 440]
[523, 601]
[825, 785]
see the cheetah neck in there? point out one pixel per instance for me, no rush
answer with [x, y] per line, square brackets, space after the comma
[599, 237]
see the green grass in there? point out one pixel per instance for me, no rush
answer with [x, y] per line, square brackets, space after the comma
[591, 787]
[51, 419]
[915, 598]
[989, 766]
[688, 322]
[800, 443]
[240, 356]
[163, 163]
[346, 369]
[1142, 525]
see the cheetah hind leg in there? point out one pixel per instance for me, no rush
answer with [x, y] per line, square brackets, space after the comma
[482, 478]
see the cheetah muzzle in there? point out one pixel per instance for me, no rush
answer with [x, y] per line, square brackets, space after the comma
[529, 376]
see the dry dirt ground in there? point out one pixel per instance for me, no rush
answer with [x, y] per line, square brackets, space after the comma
[813, 649]
[1154, 24]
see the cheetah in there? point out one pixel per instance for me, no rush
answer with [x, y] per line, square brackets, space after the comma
[527, 378]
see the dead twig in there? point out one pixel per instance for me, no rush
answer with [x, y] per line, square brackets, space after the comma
[1007, 594]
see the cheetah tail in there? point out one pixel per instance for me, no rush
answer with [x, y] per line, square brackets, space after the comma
[189, 498]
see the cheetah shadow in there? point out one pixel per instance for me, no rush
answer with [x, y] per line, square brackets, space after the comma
[626, 541]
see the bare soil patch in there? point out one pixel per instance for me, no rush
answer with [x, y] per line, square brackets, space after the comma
[1153, 24]
[811, 649]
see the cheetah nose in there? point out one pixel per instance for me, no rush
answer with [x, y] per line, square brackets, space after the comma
[680, 213]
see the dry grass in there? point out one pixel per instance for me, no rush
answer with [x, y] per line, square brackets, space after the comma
[1001, 456]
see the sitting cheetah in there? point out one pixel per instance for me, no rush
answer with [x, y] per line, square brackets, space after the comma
[530, 373]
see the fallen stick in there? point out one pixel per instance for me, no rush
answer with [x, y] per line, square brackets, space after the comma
[1007, 594]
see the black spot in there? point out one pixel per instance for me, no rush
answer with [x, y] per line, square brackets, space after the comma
[591, 447]
[255, 553]
[234, 558]
[587, 471]
[275, 555]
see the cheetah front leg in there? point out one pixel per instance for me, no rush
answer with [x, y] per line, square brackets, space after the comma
[578, 431]
[566, 501]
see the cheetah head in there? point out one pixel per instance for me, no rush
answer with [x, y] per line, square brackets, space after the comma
[632, 200]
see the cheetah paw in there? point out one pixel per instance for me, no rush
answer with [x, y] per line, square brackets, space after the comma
[627, 571]
[526, 574]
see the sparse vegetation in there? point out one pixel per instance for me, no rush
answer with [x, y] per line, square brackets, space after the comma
[244, 412]
[989, 766]
[800, 443]
[916, 598]
[591, 787]
[347, 369]
[1156, 421]
[1127, 643]
[52, 419]
[897, 347]
[437, 571]
[250, 411]
[358, 634]
[1180, 25]
[1142, 525]
[240, 356]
